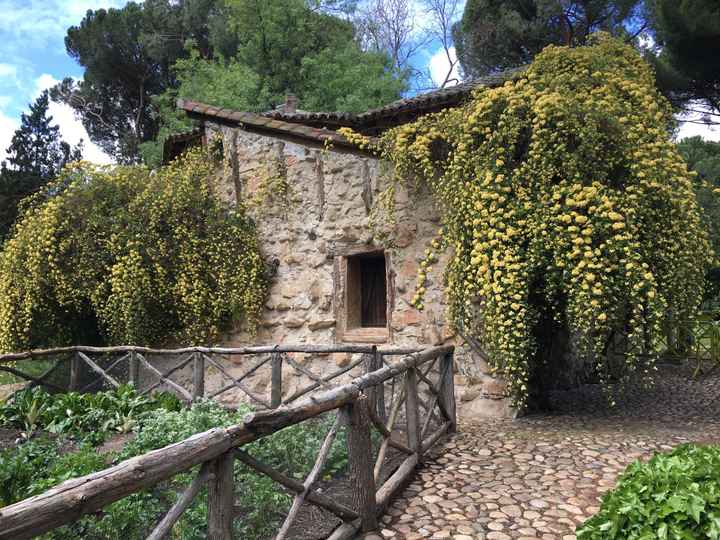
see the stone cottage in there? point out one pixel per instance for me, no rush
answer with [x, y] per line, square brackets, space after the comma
[336, 280]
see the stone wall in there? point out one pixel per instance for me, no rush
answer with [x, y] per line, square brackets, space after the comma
[306, 235]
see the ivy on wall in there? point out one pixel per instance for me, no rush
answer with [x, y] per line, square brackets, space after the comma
[566, 206]
[129, 255]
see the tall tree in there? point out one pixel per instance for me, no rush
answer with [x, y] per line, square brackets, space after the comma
[36, 155]
[404, 29]
[275, 36]
[127, 55]
[284, 46]
[497, 34]
[687, 59]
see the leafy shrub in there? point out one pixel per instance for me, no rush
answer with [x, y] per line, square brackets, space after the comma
[35, 466]
[291, 451]
[21, 467]
[71, 465]
[90, 416]
[123, 254]
[674, 496]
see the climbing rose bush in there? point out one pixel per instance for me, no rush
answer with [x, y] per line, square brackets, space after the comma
[129, 255]
[564, 200]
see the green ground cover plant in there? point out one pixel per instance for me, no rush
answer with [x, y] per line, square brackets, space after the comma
[674, 496]
[90, 417]
[88, 420]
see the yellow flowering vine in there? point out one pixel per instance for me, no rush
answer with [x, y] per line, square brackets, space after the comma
[129, 255]
[564, 200]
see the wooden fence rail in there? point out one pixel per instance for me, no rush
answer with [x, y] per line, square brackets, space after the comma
[359, 405]
[138, 368]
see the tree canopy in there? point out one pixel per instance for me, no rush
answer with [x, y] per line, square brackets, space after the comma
[128, 255]
[36, 155]
[498, 34]
[283, 47]
[688, 38]
[570, 215]
[703, 157]
[139, 58]
[127, 55]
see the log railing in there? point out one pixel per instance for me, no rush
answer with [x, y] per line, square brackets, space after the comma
[112, 366]
[410, 403]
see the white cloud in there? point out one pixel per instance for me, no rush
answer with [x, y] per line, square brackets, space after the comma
[707, 132]
[35, 23]
[42, 83]
[73, 132]
[8, 70]
[71, 128]
[439, 65]
[697, 113]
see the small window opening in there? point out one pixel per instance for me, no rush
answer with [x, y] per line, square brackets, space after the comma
[367, 291]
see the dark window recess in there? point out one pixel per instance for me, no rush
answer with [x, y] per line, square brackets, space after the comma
[367, 291]
[373, 291]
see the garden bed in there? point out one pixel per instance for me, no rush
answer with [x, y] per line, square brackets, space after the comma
[9, 438]
[72, 435]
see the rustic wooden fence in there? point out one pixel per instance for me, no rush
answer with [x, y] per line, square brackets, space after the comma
[409, 402]
[112, 366]
[695, 340]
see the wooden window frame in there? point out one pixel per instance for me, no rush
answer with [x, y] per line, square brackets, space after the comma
[349, 328]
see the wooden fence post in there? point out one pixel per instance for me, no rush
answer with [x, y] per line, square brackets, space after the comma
[376, 394]
[276, 380]
[134, 370]
[74, 383]
[360, 463]
[447, 388]
[382, 411]
[412, 412]
[198, 376]
[221, 497]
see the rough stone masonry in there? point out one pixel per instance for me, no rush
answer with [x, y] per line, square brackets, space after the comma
[310, 235]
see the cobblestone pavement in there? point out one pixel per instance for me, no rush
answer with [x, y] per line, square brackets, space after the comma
[540, 476]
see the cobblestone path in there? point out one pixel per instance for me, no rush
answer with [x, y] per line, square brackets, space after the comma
[540, 476]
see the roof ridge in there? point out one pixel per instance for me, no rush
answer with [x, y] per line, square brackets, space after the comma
[264, 123]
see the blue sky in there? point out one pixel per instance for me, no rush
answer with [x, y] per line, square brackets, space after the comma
[33, 57]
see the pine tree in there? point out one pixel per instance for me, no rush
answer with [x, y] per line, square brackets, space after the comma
[497, 34]
[688, 54]
[36, 155]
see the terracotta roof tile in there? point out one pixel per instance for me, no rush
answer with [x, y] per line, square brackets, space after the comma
[306, 124]
[263, 123]
[428, 102]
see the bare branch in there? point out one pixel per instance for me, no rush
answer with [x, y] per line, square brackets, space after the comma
[391, 26]
[442, 14]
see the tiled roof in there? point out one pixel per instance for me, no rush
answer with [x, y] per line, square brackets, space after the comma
[177, 142]
[263, 123]
[321, 126]
[396, 113]
[184, 135]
